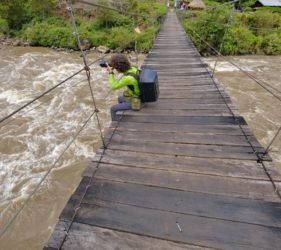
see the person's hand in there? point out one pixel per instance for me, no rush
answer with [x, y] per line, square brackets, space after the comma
[109, 69]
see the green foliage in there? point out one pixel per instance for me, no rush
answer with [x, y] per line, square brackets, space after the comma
[39, 22]
[263, 21]
[239, 41]
[145, 40]
[272, 44]
[19, 12]
[4, 27]
[47, 35]
[233, 33]
[120, 37]
[109, 19]
[13, 12]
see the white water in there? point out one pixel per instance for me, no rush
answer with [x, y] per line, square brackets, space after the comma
[33, 139]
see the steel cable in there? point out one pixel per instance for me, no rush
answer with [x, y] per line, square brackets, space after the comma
[238, 67]
[3, 231]
[86, 68]
[260, 156]
[45, 93]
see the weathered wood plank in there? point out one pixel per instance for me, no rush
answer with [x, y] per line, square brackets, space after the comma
[183, 128]
[200, 120]
[212, 206]
[88, 237]
[179, 112]
[204, 151]
[218, 185]
[58, 236]
[178, 137]
[195, 230]
[189, 103]
[74, 201]
[219, 167]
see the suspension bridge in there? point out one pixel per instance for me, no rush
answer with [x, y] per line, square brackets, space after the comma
[183, 173]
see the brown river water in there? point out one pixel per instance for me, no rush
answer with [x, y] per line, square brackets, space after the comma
[33, 139]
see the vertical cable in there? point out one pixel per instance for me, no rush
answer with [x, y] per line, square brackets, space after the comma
[87, 69]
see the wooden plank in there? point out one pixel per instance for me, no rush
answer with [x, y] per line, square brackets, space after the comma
[184, 73]
[185, 82]
[211, 206]
[178, 66]
[178, 137]
[202, 104]
[183, 112]
[83, 236]
[219, 167]
[184, 128]
[200, 120]
[179, 104]
[58, 235]
[178, 149]
[74, 201]
[217, 185]
[194, 230]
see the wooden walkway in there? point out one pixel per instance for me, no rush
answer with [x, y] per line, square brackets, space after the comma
[179, 174]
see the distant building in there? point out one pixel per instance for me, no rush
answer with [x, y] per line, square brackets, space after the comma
[267, 3]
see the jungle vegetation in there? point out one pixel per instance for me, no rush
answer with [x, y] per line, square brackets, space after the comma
[234, 29]
[46, 23]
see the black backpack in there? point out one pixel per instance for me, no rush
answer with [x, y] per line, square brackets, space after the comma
[148, 84]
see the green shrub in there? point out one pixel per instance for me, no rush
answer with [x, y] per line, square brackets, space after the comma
[245, 33]
[120, 37]
[271, 44]
[99, 37]
[4, 27]
[262, 21]
[44, 34]
[145, 39]
[239, 41]
[38, 22]
[108, 19]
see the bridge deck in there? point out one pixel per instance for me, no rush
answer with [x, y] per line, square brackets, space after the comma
[180, 174]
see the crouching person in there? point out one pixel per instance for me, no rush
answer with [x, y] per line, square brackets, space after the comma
[131, 95]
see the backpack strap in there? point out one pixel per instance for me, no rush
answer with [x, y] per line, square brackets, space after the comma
[131, 87]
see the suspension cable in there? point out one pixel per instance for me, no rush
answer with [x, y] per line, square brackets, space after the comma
[3, 231]
[242, 70]
[77, 207]
[273, 139]
[86, 68]
[260, 156]
[44, 93]
[111, 8]
[40, 104]
[257, 154]
[229, 18]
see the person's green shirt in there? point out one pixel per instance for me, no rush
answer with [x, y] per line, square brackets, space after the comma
[126, 81]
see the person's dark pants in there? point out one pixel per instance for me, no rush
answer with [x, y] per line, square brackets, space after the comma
[121, 106]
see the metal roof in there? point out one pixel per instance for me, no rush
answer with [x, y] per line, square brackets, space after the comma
[270, 2]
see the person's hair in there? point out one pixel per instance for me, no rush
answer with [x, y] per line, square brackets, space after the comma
[120, 63]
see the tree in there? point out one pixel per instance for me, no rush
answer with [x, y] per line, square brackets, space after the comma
[13, 12]
[42, 8]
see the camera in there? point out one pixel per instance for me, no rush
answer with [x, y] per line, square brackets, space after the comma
[104, 63]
